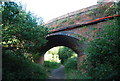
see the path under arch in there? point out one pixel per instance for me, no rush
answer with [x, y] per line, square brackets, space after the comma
[58, 73]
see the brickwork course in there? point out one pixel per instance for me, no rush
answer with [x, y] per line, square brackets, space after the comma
[83, 15]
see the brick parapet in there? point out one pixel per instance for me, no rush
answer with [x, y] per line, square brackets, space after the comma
[81, 11]
[84, 15]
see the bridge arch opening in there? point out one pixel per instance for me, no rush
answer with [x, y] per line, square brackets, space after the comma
[59, 54]
[62, 39]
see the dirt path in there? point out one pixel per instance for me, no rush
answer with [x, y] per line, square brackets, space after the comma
[58, 73]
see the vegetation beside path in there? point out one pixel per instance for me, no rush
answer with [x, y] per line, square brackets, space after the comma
[22, 36]
[102, 56]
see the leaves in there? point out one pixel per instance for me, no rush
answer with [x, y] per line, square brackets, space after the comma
[22, 37]
[65, 53]
[102, 53]
[21, 26]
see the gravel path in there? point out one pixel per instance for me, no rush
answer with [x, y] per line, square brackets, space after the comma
[58, 73]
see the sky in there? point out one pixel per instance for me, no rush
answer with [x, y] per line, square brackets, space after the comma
[50, 9]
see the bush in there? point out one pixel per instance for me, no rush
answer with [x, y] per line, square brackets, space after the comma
[16, 67]
[103, 55]
[71, 63]
[22, 35]
[52, 65]
[22, 30]
[75, 74]
[65, 53]
[71, 71]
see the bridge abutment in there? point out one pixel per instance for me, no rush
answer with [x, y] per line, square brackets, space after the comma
[80, 60]
[41, 59]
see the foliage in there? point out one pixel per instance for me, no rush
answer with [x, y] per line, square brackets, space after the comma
[71, 71]
[17, 67]
[52, 65]
[65, 53]
[103, 56]
[77, 17]
[49, 66]
[71, 63]
[21, 30]
[62, 21]
[70, 21]
[104, 9]
[75, 74]
[52, 55]
[22, 37]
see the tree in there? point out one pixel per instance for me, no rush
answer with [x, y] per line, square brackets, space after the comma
[22, 36]
[65, 53]
[20, 29]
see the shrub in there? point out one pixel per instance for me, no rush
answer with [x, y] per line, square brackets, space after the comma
[71, 71]
[17, 67]
[103, 55]
[52, 65]
[65, 53]
[22, 30]
[71, 63]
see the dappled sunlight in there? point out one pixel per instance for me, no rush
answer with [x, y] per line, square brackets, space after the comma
[56, 53]
[52, 55]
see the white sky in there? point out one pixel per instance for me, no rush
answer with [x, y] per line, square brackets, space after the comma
[49, 9]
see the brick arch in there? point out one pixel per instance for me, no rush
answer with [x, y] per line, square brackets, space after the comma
[63, 39]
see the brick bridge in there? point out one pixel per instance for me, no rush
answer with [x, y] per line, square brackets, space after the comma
[76, 36]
